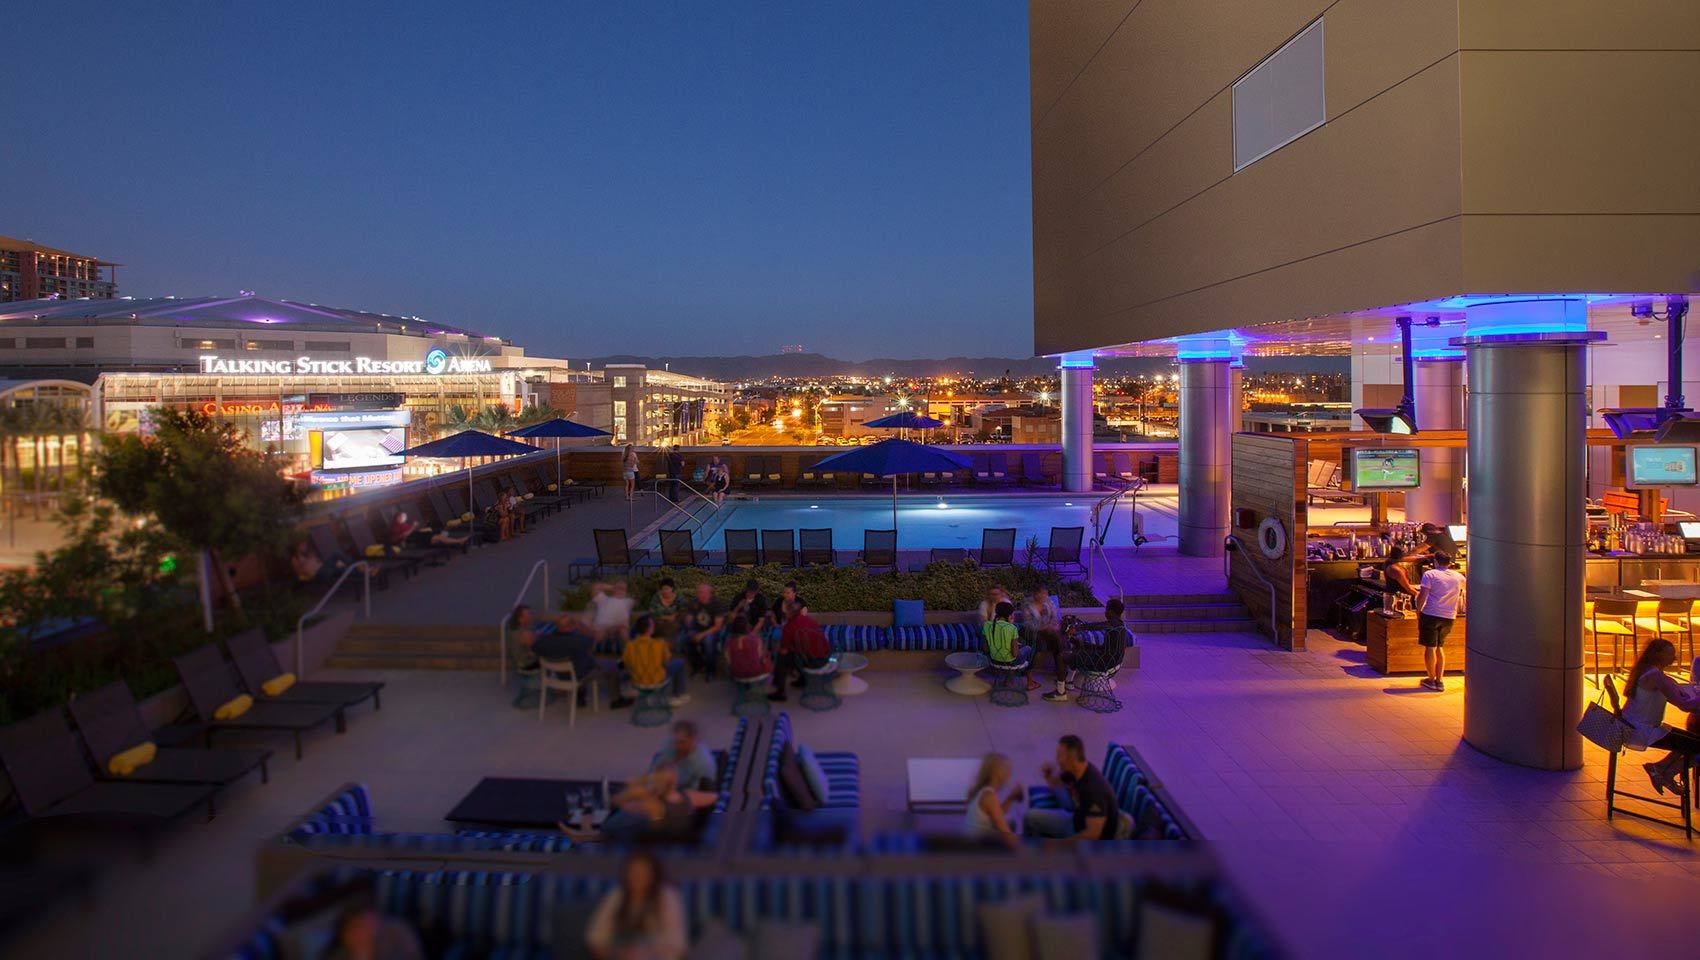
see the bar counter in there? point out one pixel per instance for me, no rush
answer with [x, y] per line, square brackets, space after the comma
[1390, 644]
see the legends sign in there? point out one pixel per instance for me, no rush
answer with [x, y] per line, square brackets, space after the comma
[436, 363]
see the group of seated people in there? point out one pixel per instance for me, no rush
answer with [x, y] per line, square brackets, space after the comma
[672, 639]
[660, 804]
[1086, 804]
[1013, 635]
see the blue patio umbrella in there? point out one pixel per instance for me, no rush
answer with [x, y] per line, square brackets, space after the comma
[907, 419]
[889, 458]
[559, 429]
[469, 443]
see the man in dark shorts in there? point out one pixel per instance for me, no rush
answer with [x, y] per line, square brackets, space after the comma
[1440, 595]
[1088, 805]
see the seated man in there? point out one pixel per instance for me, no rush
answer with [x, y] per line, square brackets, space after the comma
[650, 662]
[665, 608]
[1087, 808]
[650, 807]
[704, 619]
[1106, 656]
[693, 760]
[746, 655]
[802, 643]
[1003, 640]
[562, 640]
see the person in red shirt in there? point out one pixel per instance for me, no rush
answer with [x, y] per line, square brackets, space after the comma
[745, 655]
[801, 644]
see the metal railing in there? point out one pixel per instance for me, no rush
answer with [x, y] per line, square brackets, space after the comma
[1236, 545]
[502, 627]
[692, 511]
[301, 624]
[1099, 530]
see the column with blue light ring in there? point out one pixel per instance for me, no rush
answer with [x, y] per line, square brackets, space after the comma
[1207, 425]
[1075, 370]
[1526, 422]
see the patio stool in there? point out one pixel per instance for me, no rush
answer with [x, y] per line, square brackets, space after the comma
[751, 699]
[818, 694]
[651, 708]
[1009, 683]
[1097, 691]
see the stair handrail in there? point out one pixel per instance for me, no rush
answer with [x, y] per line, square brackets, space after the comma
[655, 488]
[1236, 545]
[1098, 530]
[502, 627]
[301, 624]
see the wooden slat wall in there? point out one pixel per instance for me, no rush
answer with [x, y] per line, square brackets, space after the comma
[1269, 480]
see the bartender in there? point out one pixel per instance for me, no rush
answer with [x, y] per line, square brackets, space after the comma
[1394, 576]
[1436, 540]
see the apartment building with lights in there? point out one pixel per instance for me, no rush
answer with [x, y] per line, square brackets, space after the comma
[31, 271]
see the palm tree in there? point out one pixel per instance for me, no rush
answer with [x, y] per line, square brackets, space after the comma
[536, 413]
[458, 418]
[496, 419]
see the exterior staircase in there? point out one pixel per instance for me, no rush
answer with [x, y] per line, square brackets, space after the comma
[404, 646]
[1187, 613]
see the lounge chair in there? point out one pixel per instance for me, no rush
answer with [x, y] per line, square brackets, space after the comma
[677, 550]
[51, 778]
[329, 549]
[206, 678]
[1033, 468]
[810, 477]
[1100, 468]
[933, 478]
[997, 547]
[406, 559]
[742, 549]
[448, 518]
[1122, 466]
[754, 475]
[257, 665]
[424, 536]
[775, 470]
[537, 484]
[982, 467]
[998, 463]
[529, 502]
[872, 480]
[111, 723]
[614, 552]
[779, 546]
[814, 547]
[1064, 548]
[879, 548]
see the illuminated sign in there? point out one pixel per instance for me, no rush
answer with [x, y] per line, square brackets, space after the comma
[436, 363]
[249, 408]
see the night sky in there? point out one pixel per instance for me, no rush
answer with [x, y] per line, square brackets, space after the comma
[582, 177]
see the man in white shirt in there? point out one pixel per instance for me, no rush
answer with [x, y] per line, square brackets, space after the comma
[1440, 596]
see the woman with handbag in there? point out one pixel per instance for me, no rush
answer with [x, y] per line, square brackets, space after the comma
[1647, 691]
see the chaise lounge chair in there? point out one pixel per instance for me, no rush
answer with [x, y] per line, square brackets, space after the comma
[614, 552]
[879, 548]
[678, 550]
[111, 723]
[815, 547]
[779, 546]
[1064, 548]
[742, 549]
[51, 779]
[997, 547]
[257, 665]
[206, 678]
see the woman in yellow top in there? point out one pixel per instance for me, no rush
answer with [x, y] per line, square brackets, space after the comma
[649, 661]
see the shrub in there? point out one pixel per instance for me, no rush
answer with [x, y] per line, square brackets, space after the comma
[942, 586]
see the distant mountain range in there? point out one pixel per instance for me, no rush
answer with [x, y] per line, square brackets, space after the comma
[818, 365]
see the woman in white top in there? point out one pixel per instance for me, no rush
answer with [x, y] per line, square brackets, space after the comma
[988, 814]
[629, 470]
[641, 919]
[1647, 690]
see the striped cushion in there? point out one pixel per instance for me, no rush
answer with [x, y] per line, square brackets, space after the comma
[843, 779]
[733, 752]
[849, 638]
[347, 813]
[1133, 793]
[944, 637]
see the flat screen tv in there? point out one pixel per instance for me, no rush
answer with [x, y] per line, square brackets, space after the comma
[1385, 468]
[1690, 530]
[1661, 466]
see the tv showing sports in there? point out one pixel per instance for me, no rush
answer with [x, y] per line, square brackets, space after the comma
[1662, 466]
[1385, 468]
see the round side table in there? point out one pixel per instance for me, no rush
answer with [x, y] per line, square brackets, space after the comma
[847, 684]
[967, 664]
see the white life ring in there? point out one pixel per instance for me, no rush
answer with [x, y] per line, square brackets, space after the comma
[1272, 538]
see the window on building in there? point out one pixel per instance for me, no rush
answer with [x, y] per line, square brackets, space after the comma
[271, 345]
[619, 381]
[8, 343]
[620, 409]
[619, 426]
[45, 343]
[85, 343]
[327, 346]
[211, 344]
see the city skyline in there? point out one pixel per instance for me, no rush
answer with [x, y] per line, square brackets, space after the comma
[586, 181]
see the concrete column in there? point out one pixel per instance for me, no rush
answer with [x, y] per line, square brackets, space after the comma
[1527, 435]
[1206, 431]
[1076, 426]
[1439, 392]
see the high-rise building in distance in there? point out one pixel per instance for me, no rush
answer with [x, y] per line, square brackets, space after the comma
[30, 271]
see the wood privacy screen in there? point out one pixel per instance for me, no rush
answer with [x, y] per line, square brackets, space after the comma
[1269, 472]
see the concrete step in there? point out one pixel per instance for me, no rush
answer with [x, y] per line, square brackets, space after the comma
[1185, 611]
[425, 645]
[410, 661]
[1243, 624]
[409, 631]
[1173, 599]
[401, 646]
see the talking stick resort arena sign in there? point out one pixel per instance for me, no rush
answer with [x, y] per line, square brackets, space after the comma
[436, 363]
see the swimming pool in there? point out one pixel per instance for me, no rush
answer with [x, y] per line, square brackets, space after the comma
[925, 521]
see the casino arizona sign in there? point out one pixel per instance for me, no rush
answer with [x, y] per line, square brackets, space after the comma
[436, 363]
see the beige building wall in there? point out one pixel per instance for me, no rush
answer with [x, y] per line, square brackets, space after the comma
[1470, 146]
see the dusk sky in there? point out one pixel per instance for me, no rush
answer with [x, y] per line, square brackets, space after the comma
[584, 178]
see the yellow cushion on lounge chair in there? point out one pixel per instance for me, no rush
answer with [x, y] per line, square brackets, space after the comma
[466, 517]
[425, 530]
[129, 761]
[375, 550]
[234, 707]
[553, 487]
[278, 685]
[571, 481]
[528, 496]
[454, 523]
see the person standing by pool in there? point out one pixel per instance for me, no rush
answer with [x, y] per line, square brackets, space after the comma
[629, 470]
[704, 618]
[649, 661]
[675, 472]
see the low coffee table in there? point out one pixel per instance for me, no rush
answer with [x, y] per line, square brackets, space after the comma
[967, 664]
[510, 802]
[940, 784]
[846, 683]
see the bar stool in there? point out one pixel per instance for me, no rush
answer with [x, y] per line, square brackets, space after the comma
[652, 708]
[1613, 620]
[818, 694]
[1009, 683]
[1684, 783]
[751, 699]
[1098, 690]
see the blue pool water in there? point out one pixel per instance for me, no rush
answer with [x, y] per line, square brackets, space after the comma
[922, 523]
